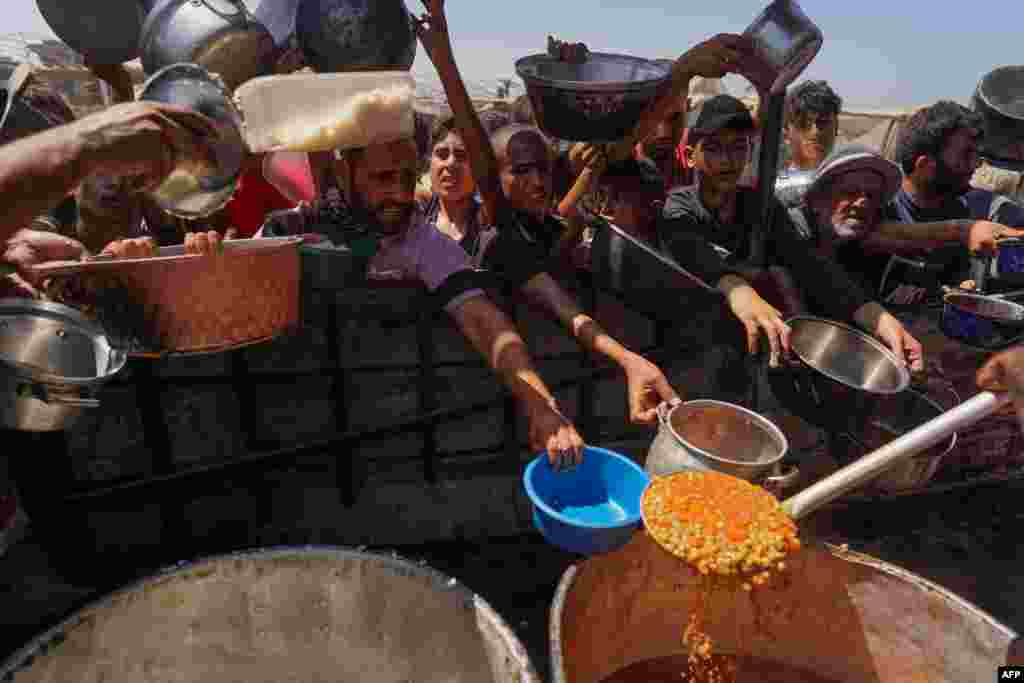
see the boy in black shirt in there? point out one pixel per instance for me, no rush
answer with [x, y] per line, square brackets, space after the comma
[706, 228]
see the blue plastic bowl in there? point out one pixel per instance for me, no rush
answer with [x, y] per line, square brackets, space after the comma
[592, 509]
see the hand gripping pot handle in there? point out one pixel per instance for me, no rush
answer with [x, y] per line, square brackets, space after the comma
[664, 408]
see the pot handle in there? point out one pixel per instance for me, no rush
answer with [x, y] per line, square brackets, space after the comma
[664, 407]
[74, 401]
[41, 393]
[785, 476]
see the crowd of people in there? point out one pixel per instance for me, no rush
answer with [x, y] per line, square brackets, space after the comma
[483, 208]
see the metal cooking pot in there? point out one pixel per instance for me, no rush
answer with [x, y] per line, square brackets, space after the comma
[356, 35]
[987, 323]
[838, 373]
[599, 100]
[52, 363]
[784, 42]
[999, 98]
[104, 32]
[199, 186]
[843, 616]
[283, 614]
[714, 435]
[892, 417]
[222, 36]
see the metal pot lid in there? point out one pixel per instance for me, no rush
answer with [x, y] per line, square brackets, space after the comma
[847, 355]
[105, 31]
[54, 344]
[602, 71]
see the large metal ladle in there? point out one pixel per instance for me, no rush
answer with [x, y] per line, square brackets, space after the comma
[868, 467]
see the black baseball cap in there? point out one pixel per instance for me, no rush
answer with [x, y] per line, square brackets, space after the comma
[721, 111]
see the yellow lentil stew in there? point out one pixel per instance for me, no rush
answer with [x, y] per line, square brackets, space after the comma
[719, 524]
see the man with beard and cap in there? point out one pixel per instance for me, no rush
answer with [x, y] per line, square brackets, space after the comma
[368, 204]
[514, 175]
[929, 221]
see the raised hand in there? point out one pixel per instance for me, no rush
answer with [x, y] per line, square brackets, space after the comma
[432, 30]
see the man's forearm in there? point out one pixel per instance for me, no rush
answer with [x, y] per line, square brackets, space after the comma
[36, 174]
[926, 235]
[544, 291]
[493, 335]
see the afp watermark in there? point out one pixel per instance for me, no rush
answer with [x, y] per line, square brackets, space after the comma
[1011, 673]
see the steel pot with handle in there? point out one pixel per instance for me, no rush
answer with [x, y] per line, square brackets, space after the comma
[52, 362]
[719, 436]
[222, 36]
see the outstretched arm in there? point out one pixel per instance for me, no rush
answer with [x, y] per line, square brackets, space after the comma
[432, 29]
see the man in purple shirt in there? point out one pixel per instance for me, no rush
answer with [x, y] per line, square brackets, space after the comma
[369, 206]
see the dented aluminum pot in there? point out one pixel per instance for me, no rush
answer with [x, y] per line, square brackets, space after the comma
[722, 437]
[283, 614]
[52, 363]
[845, 616]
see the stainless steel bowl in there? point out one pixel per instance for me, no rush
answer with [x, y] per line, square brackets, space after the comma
[847, 356]
[199, 186]
[599, 100]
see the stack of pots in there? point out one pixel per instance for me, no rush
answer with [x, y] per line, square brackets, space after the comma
[226, 38]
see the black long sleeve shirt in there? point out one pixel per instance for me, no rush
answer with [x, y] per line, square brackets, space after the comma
[696, 238]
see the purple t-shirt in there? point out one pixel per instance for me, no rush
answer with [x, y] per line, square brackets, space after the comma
[422, 253]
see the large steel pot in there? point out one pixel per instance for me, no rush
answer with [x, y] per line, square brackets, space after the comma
[282, 614]
[999, 98]
[52, 362]
[222, 36]
[356, 35]
[844, 616]
[719, 436]
[598, 100]
[839, 371]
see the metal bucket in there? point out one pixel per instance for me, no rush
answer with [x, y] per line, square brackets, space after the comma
[847, 617]
[282, 614]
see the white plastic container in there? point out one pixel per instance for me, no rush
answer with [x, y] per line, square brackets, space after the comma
[322, 112]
